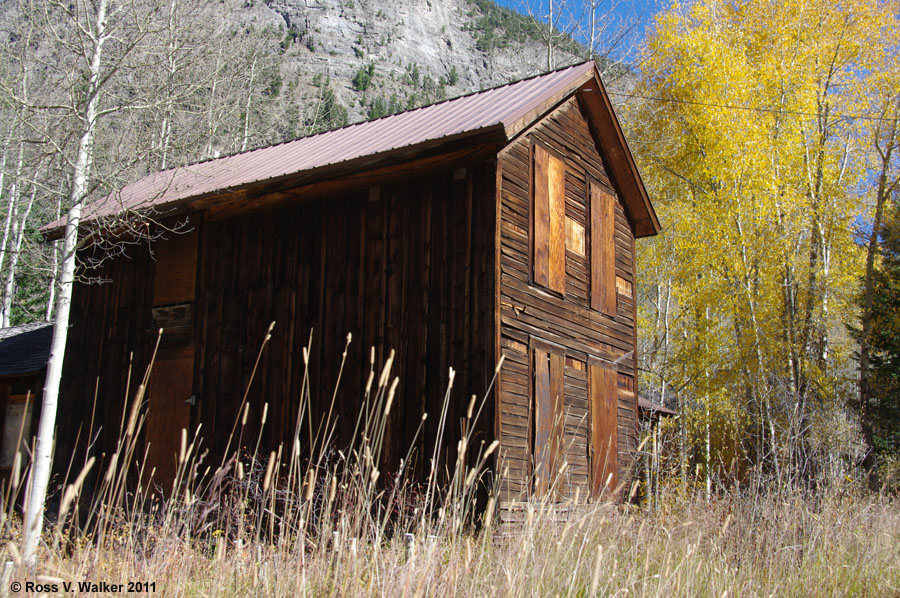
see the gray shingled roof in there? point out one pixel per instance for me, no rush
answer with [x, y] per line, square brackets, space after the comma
[25, 349]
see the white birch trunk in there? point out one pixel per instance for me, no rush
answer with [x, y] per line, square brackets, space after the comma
[43, 456]
[165, 132]
[245, 137]
[211, 127]
[11, 234]
[18, 238]
[708, 452]
[550, 39]
[11, 206]
[10, 272]
[54, 270]
[592, 40]
[708, 424]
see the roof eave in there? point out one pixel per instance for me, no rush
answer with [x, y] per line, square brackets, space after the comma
[595, 99]
[495, 133]
[18, 374]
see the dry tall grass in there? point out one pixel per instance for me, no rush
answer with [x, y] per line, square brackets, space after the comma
[282, 525]
[843, 546]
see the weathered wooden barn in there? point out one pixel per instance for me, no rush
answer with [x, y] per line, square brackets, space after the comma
[498, 223]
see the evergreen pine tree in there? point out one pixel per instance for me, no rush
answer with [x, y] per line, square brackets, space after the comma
[883, 409]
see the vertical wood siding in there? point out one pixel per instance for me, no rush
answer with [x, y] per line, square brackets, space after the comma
[604, 440]
[407, 266]
[111, 330]
[529, 311]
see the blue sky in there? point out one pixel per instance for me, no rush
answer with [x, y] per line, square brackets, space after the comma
[624, 11]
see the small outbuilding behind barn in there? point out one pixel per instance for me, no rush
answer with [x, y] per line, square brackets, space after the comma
[502, 223]
[24, 351]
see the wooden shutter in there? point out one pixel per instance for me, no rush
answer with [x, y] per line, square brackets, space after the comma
[548, 366]
[603, 250]
[604, 406]
[176, 268]
[549, 220]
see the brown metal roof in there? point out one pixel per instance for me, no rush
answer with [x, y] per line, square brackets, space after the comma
[498, 106]
[508, 109]
[654, 408]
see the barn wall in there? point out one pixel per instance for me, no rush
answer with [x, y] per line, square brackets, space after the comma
[529, 312]
[111, 331]
[406, 266]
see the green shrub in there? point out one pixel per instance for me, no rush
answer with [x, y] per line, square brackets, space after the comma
[363, 77]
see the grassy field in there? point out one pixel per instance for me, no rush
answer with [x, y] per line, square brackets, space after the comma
[843, 544]
[282, 525]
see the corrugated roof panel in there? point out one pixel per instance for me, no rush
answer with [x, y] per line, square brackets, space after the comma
[467, 114]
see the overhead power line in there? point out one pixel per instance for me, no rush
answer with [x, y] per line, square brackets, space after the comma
[762, 109]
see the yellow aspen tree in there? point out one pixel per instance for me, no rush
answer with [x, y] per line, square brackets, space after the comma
[746, 125]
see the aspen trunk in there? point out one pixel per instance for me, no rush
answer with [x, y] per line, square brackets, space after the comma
[54, 269]
[245, 136]
[550, 39]
[43, 456]
[18, 239]
[11, 206]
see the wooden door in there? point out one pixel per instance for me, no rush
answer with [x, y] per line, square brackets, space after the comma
[170, 388]
[604, 407]
[548, 365]
[168, 412]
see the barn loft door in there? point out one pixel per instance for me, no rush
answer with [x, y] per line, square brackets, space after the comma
[548, 366]
[604, 402]
[170, 388]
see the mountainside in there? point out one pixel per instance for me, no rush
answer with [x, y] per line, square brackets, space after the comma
[375, 57]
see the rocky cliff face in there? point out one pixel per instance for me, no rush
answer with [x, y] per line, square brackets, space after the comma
[375, 57]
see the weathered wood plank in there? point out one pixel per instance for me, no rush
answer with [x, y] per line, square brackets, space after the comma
[604, 428]
[556, 184]
[541, 225]
[176, 267]
[603, 251]
[543, 422]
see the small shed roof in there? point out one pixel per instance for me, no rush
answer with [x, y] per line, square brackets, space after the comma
[652, 409]
[25, 349]
[500, 113]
